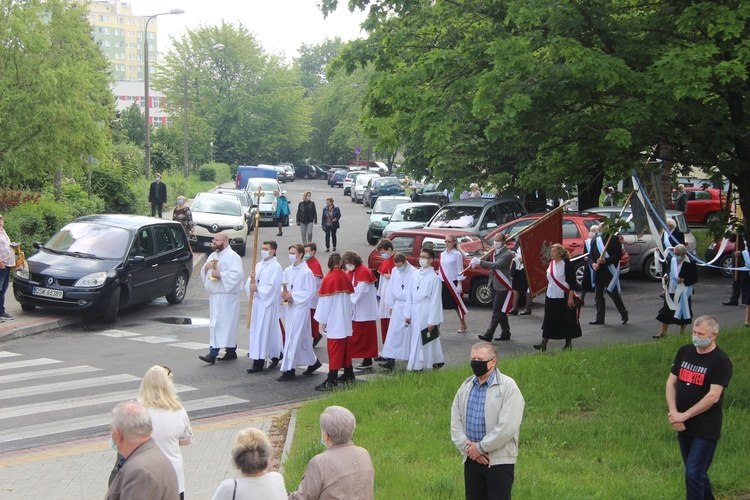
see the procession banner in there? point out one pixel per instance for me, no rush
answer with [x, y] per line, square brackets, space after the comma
[536, 241]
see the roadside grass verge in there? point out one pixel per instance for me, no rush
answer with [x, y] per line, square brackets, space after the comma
[595, 426]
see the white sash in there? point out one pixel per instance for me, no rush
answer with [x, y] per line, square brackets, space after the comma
[614, 270]
[460, 306]
[508, 304]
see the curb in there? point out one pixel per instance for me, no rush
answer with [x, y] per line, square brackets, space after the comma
[288, 441]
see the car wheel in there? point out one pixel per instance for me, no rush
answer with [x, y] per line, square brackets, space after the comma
[726, 262]
[113, 307]
[580, 269]
[370, 239]
[713, 218]
[481, 293]
[179, 289]
[323, 177]
[306, 176]
[650, 268]
[27, 307]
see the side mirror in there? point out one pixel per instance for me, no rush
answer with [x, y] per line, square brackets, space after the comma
[137, 258]
[37, 245]
[386, 218]
[491, 225]
[369, 212]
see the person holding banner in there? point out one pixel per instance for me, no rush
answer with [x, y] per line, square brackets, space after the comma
[424, 311]
[681, 275]
[265, 329]
[560, 309]
[502, 289]
[588, 283]
[451, 267]
[606, 252]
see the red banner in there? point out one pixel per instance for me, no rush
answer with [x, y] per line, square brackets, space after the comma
[536, 241]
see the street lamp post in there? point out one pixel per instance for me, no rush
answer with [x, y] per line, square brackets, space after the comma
[145, 80]
[217, 46]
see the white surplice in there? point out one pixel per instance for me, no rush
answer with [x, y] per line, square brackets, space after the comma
[224, 297]
[265, 331]
[425, 305]
[298, 348]
[335, 311]
[397, 343]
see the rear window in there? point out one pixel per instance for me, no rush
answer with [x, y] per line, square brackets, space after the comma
[414, 214]
[386, 206]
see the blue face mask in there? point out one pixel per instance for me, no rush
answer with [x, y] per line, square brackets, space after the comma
[384, 255]
[112, 443]
[180, 202]
[401, 269]
[307, 256]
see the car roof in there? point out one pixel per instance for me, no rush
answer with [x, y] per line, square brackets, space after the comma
[481, 201]
[217, 195]
[123, 220]
[229, 191]
[415, 204]
[568, 215]
[393, 197]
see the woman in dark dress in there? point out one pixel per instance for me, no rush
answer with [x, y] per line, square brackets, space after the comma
[183, 215]
[560, 309]
[680, 271]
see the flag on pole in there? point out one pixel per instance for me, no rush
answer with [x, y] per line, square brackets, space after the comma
[536, 241]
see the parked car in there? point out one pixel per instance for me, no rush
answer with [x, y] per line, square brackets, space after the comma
[381, 186]
[333, 169]
[410, 216]
[358, 190]
[282, 173]
[244, 200]
[265, 185]
[726, 260]
[349, 181]
[431, 192]
[384, 207]
[704, 204]
[337, 180]
[245, 172]
[642, 248]
[310, 172]
[289, 172]
[575, 231]
[218, 213]
[479, 215]
[410, 241]
[102, 264]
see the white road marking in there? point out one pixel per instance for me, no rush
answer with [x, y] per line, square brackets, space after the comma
[72, 385]
[55, 372]
[12, 365]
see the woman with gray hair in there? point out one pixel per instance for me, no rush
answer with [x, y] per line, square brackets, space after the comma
[681, 275]
[251, 454]
[343, 470]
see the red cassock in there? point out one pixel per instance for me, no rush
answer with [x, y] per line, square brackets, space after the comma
[386, 267]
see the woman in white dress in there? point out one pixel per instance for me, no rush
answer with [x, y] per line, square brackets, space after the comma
[169, 420]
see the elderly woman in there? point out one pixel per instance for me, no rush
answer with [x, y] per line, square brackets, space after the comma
[343, 470]
[560, 308]
[681, 275]
[183, 215]
[475, 191]
[251, 454]
[170, 422]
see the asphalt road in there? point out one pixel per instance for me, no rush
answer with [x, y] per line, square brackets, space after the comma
[61, 385]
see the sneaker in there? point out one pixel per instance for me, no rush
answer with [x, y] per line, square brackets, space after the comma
[311, 369]
[365, 366]
[2, 320]
[6, 315]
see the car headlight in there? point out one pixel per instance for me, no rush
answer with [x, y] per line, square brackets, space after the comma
[239, 227]
[376, 224]
[23, 271]
[92, 280]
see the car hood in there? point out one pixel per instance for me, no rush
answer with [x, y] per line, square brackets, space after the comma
[397, 226]
[67, 266]
[205, 218]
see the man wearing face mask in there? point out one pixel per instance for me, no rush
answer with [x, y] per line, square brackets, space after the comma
[265, 330]
[485, 420]
[502, 289]
[424, 311]
[307, 217]
[157, 195]
[222, 278]
[385, 247]
[364, 341]
[311, 249]
[695, 392]
[396, 344]
[298, 348]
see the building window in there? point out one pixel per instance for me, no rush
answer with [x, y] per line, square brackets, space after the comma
[106, 31]
[106, 43]
[101, 18]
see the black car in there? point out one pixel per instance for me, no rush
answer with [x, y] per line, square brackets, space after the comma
[100, 264]
[310, 172]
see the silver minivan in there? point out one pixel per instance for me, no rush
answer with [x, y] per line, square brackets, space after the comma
[642, 248]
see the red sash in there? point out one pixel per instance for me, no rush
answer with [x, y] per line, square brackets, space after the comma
[564, 288]
[460, 306]
[508, 304]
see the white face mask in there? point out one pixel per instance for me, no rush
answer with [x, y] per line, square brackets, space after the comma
[499, 244]
[308, 198]
[350, 267]
[424, 263]
[292, 258]
[265, 254]
[593, 234]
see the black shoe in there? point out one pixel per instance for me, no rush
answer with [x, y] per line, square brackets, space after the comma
[287, 376]
[388, 364]
[311, 369]
[729, 303]
[317, 340]
[597, 322]
[228, 356]
[257, 366]
[525, 312]
[503, 337]
[513, 312]
[279, 234]
[486, 339]
[347, 377]
[274, 363]
[366, 364]
[661, 296]
[328, 385]
[541, 347]
[379, 358]
[209, 358]
[568, 347]
[328, 249]
[625, 319]
[7, 315]
[437, 366]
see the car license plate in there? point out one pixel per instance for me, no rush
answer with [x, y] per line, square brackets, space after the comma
[47, 292]
[266, 219]
[207, 243]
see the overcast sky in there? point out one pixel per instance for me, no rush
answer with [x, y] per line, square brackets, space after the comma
[280, 26]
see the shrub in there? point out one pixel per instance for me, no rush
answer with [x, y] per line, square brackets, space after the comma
[36, 222]
[77, 200]
[207, 173]
[115, 191]
[11, 198]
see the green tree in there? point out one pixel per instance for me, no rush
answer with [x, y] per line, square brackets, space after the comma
[130, 125]
[313, 61]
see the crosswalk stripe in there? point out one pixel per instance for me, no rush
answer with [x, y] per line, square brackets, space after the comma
[77, 402]
[7, 354]
[55, 372]
[117, 333]
[34, 390]
[76, 424]
[151, 339]
[192, 345]
[12, 365]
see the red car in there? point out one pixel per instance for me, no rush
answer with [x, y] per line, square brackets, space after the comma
[704, 204]
[410, 241]
[575, 233]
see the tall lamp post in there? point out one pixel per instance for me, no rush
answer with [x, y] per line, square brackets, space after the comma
[145, 79]
[217, 46]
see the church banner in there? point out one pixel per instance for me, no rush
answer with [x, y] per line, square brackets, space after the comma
[536, 241]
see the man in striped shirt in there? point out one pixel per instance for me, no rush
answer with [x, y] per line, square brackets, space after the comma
[7, 260]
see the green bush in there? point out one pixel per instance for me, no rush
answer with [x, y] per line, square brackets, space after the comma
[207, 173]
[77, 200]
[36, 222]
[115, 191]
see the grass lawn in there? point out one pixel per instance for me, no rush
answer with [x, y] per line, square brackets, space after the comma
[595, 426]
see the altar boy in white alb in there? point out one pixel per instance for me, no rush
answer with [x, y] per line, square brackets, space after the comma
[425, 307]
[225, 267]
[265, 330]
[298, 348]
[397, 344]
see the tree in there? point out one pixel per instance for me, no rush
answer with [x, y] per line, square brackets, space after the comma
[130, 125]
[313, 62]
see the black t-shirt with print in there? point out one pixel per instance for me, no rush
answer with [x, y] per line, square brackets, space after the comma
[695, 374]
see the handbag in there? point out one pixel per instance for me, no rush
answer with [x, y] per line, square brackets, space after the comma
[19, 255]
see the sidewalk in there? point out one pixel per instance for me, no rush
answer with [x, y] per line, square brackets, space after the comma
[80, 469]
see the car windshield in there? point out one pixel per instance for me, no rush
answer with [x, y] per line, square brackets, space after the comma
[86, 239]
[421, 213]
[265, 185]
[386, 206]
[386, 183]
[457, 216]
[222, 206]
[241, 196]
[363, 179]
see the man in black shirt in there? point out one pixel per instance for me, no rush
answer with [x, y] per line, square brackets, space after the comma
[695, 391]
